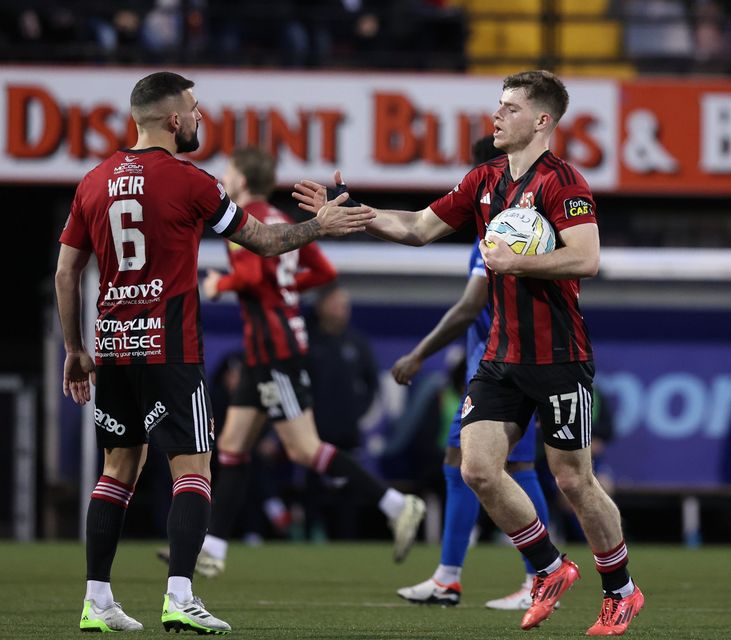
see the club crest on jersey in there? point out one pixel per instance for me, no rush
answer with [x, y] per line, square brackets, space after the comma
[467, 407]
[575, 207]
[526, 200]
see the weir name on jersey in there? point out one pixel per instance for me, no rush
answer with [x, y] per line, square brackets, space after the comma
[126, 186]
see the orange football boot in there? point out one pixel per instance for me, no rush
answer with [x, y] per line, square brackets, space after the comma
[547, 591]
[616, 614]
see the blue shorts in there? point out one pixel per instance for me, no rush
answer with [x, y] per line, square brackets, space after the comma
[525, 450]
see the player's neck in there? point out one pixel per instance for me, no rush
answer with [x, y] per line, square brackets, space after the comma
[147, 140]
[522, 160]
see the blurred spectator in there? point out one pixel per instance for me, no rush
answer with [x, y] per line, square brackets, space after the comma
[422, 434]
[398, 34]
[344, 384]
[657, 34]
[712, 37]
[274, 33]
[175, 30]
[343, 369]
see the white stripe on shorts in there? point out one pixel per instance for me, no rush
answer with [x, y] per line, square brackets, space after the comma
[585, 415]
[287, 395]
[200, 418]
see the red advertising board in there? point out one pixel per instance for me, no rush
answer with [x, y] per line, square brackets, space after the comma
[384, 131]
[675, 137]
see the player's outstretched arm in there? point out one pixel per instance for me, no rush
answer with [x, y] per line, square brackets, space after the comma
[332, 220]
[78, 367]
[414, 228]
[452, 325]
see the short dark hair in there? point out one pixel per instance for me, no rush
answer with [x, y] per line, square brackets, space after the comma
[542, 87]
[258, 167]
[153, 88]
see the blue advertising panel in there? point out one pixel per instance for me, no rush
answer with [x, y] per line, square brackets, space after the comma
[670, 392]
[672, 409]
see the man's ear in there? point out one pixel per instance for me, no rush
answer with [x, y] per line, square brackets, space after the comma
[174, 121]
[544, 121]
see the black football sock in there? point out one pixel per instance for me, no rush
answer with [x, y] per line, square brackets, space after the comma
[535, 544]
[229, 494]
[339, 464]
[188, 520]
[612, 566]
[104, 522]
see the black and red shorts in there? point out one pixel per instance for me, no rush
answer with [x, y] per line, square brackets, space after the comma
[560, 393]
[281, 389]
[165, 404]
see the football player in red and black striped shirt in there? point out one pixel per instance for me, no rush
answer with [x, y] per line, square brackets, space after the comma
[275, 384]
[538, 354]
[141, 213]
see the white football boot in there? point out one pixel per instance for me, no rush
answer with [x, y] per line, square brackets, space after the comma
[94, 618]
[191, 615]
[432, 592]
[405, 526]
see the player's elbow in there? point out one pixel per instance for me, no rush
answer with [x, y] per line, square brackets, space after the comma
[417, 241]
[65, 278]
[591, 267]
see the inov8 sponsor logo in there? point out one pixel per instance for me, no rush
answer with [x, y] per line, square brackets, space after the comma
[153, 417]
[105, 421]
[134, 291]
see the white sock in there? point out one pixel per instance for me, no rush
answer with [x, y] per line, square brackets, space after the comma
[392, 503]
[447, 574]
[627, 590]
[100, 593]
[181, 588]
[274, 508]
[528, 582]
[216, 547]
[554, 566]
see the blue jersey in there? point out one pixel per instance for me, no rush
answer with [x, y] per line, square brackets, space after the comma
[480, 328]
[525, 450]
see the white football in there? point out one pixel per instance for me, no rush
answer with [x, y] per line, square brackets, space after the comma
[525, 230]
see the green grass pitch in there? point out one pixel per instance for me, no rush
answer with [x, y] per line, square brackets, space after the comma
[341, 591]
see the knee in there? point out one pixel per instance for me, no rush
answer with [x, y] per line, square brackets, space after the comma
[478, 477]
[571, 483]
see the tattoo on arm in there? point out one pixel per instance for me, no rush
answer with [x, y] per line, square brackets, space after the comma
[274, 239]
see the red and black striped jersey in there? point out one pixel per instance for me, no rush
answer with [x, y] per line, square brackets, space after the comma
[141, 212]
[533, 321]
[268, 291]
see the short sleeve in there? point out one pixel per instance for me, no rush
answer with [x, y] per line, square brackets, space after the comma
[212, 204]
[457, 208]
[76, 231]
[572, 204]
